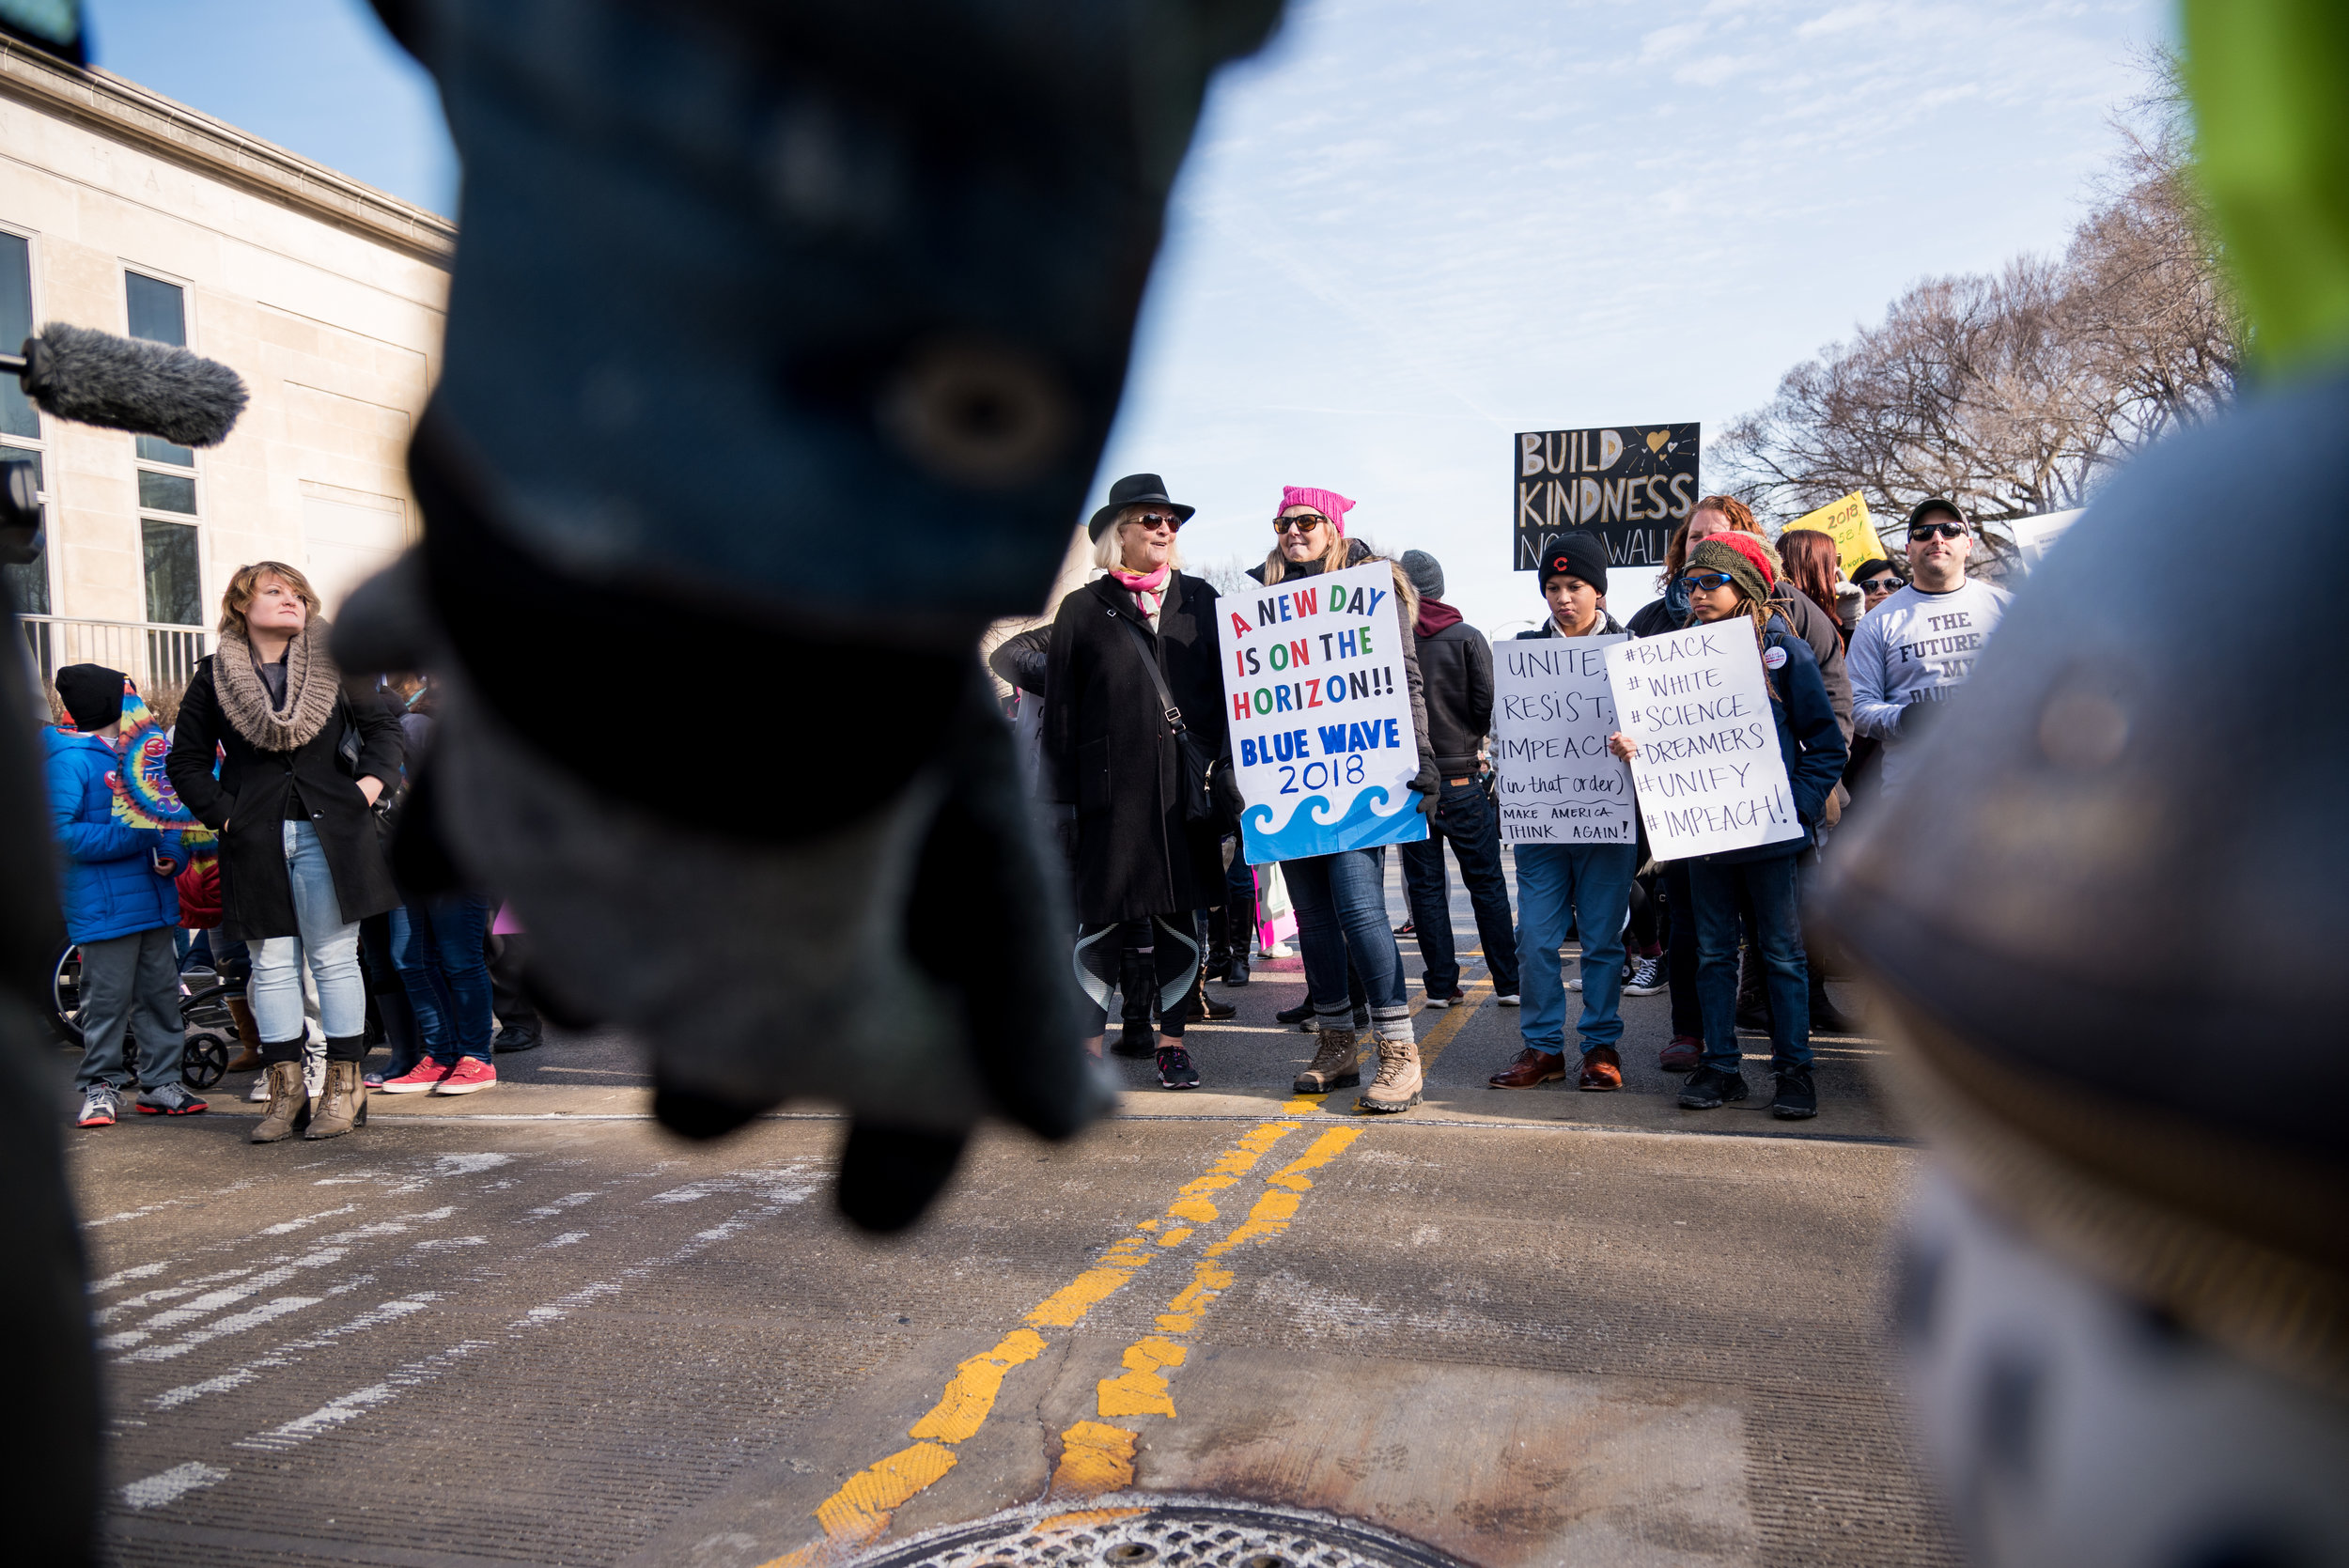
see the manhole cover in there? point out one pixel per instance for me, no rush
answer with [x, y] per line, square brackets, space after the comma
[1163, 1532]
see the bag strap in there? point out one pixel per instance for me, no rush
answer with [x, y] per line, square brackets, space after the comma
[1157, 676]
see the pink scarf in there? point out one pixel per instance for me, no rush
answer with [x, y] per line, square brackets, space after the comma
[1149, 592]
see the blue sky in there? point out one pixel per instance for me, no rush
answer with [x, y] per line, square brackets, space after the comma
[1412, 227]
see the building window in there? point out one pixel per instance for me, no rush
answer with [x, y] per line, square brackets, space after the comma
[168, 499]
[19, 423]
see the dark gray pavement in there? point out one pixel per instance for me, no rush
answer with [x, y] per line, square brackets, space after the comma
[527, 1326]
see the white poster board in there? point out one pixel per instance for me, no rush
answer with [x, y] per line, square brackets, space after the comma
[1322, 741]
[1552, 712]
[1708, 772]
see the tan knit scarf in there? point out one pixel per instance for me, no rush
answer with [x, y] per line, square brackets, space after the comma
[312, 683]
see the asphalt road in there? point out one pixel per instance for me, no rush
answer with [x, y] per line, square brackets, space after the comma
[1524, 1329]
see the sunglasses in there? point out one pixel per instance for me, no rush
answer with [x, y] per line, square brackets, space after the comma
[1152, 522]
[1305, 525]
[1881, 584]
[1705, 581]
[1920, 533]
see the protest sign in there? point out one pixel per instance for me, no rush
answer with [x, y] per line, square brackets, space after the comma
[1552, 713]
[1708, 771]
[1322, 741]
[1628, 484]
[1846, 522]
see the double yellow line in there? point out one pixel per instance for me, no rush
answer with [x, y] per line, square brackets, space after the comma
[1096, 1456]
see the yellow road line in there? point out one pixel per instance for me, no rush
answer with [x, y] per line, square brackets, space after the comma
[860, 1510]
[1096, 1457]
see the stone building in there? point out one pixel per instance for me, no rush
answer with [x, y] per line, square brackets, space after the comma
[123, 211]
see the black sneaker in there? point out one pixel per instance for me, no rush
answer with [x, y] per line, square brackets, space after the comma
[1647, 977]
[520, 1037]
[1174, 1069]
[1301, 1015]
[1709, 1089]
[1208, 1010]
[1796, 1100]
[1137, 1040]
[171, 1099]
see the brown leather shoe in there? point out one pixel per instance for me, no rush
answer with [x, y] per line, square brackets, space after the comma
[1602, 1069]
[1530, 1070]
[1681, 1055]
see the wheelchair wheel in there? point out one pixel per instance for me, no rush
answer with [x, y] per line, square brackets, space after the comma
[203, 1062]
[64, 995]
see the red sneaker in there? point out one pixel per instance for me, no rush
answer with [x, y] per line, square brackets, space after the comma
[1681, 1055]
[469, 1077]
[422, 1079]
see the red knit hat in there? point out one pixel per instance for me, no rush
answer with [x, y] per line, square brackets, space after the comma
[1752, 549]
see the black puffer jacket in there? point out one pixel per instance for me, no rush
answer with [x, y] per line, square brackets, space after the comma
[1456, 670]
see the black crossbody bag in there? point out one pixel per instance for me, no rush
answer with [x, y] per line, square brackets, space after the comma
[1209, 792]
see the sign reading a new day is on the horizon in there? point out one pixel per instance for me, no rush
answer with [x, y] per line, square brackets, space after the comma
[1629, 483]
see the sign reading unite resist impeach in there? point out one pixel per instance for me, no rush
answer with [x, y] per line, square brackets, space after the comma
[1709, 775]
[1552, 713]
[1628, 484]
[1321, 715]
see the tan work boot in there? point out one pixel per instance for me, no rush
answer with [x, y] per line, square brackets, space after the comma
[1335, 1065]
[288, 1109]
[248, 1058]
[342, 1102]
[1398, 1083]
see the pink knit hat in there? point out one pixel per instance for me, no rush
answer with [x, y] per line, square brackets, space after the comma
[1329, 504]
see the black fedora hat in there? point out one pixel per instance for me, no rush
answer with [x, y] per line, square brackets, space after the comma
[1136, 490]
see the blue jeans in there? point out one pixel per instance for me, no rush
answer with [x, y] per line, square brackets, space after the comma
[329, 943]
[437, 947]
[1777, 931]
[1589, 886]
[1466, 817]
[1341, 905]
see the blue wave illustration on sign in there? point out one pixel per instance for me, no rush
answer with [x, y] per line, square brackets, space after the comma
[1305, 834]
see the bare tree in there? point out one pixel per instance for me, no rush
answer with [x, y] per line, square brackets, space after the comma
[2016, 394]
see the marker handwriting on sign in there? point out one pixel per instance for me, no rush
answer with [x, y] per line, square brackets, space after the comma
[1709, 773]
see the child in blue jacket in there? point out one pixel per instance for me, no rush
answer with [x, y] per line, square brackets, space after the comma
[121, 908]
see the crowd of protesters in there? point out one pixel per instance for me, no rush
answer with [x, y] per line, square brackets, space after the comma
[1124, 681]
[297, 776]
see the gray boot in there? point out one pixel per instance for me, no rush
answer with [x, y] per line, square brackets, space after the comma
[1336, 1063]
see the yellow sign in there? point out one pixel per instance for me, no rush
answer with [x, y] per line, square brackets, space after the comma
[1846, 522]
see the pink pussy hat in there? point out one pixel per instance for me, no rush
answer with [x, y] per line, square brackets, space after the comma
[1329, 504]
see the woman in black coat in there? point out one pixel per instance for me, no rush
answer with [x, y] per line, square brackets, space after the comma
[1143, 871]
[301, 863]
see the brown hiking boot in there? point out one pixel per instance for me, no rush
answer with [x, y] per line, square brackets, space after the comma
[288, 1109]
[1681, 1055]
[1398, 1083]
[1530, 1070]
[1602, 1069]
[248, 1058]
[342, 1102]
[1336, 1064]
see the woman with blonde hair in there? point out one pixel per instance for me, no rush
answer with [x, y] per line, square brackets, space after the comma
[1342, 898]
[301, 861]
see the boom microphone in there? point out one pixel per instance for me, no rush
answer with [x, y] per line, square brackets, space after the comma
[126, 383]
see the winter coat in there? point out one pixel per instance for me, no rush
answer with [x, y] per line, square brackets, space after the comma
[1456, 670]
[1810, 741]
[246, 804]
[1608, 626]
[111, 886]
[1108, 749]
[1019, 661]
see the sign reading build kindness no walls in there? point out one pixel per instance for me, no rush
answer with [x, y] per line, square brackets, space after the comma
[1629, 485]
[1321, 715]
[1552, 713]
[1708, 770]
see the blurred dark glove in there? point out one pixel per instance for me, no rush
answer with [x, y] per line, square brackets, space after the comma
[1916, 718]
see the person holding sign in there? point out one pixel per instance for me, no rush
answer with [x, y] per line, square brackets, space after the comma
[1341, 894]
[1728, 580]
[1587, 884]
[1126, 647]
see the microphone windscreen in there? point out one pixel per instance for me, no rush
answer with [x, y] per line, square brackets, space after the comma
[126, 383]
